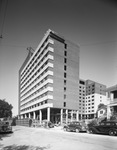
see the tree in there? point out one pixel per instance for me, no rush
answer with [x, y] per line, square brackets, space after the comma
[5, 109]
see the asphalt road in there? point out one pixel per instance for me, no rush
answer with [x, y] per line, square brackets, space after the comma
[25, 138]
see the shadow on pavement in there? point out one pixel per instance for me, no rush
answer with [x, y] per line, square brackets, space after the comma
[3, 135]
[24, 147]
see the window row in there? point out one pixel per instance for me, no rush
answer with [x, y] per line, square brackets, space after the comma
[36, 105]
[37, 72]
[91, 100]
[89, 107]
[82, 97]
[38, 77]
[81, 94]
[90, 111]
[38, 84]
[81, 87]
[35, 99]
[90, 104]
[90, 97]
[39, 64]
[37, 91]
[32, 61]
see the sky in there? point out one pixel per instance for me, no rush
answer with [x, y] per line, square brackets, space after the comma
[90, 23]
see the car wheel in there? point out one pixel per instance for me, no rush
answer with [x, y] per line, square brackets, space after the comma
[112, 132]
[90, 131]
[77, 130]
[64, 129]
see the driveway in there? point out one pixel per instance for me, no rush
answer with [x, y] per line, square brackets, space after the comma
[25, 138]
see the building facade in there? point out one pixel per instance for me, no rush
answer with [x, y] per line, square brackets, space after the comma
[112, 101]
[95, 94]
[91, 94]
[49, 79]
[82, 95]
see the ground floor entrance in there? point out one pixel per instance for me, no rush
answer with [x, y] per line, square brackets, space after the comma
[55, 115]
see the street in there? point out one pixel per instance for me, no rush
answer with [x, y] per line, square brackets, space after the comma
[25, 138]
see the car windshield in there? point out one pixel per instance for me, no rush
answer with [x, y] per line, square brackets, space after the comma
[76, 123]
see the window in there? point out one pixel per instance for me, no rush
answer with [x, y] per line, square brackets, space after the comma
[108, 124]
[64, 89]
[64, 96]
[64, 104]
[65, 45]
[65, 74]
[45, 101]
[65, 82]
[65, 53]
[82, 82]
[65, 67]
[102, 124]
[65, 60]
[101, 112]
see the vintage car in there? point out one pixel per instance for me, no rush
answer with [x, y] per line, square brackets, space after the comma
[5, 127]
[76, 126]
[105, 127]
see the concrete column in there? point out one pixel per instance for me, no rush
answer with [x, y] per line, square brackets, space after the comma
[108, 112]
[77, 115]
[66, 115]
[34, 115]
[111, 96]
[81, 116]
[61, 116]
[40, 116]
[94, 115]
[72, 115]
[29, 115]
[25, 116]
[48, 113]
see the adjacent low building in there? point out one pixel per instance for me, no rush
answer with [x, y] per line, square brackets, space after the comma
[91, 94]
[112, 101]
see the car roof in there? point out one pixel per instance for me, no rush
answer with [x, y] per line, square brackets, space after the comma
[111, 121]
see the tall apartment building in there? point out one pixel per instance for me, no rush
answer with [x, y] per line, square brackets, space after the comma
[49, 79]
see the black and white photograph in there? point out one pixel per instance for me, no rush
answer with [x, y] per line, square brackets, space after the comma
[58, 75]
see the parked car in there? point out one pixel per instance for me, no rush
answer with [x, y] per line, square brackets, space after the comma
[5, 127]
[106, 127]
[75, 126]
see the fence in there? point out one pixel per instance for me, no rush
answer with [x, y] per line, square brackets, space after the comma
[28, 122]
[23, 122]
